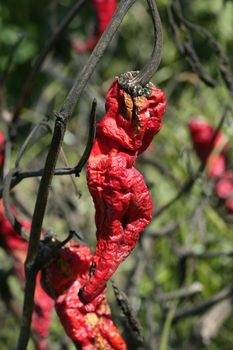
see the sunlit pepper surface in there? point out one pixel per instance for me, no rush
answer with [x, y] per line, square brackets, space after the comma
[122, 201]
[17, 247]
[90, 327]
[215, 157]
[104, 10]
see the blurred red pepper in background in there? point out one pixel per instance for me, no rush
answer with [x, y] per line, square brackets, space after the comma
[16, 247]
[216, 158]
[89, 327]
[122, 201]
[224, 185]
[202, 134]
[104, 10]
[229, 204]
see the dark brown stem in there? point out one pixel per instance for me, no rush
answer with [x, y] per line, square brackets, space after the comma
[6, 202]
[17, 176]
[150, 68]
[21, 175]
[129, 313]
[34, 240]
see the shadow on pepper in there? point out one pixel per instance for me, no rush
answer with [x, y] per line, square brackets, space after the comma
[91, 326]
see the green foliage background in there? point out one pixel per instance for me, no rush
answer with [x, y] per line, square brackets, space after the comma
[202, 224]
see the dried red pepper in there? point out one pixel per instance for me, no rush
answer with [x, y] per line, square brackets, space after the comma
[90, 327]
[16, 247]
[122, 201]
[104, 10]
[217, 165]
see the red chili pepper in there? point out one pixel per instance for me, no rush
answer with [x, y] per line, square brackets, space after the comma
[122, 201]
[89, 327]
[16, 247]
[202, 134]
[104, 10]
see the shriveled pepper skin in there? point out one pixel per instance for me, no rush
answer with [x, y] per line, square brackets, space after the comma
[17, 247]
[90, 327]
[122, 201]
[104, 10]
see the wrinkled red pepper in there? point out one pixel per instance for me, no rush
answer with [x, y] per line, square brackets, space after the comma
[104, 10]
[122, 201]
[217, 165]
[90, 327]
[16, 247]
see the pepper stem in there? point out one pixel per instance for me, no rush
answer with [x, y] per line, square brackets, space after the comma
[144, 76]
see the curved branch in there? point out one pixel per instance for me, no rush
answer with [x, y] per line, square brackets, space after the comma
[6, 203]
[150, 68]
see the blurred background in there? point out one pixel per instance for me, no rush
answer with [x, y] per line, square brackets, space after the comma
[185, 257]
